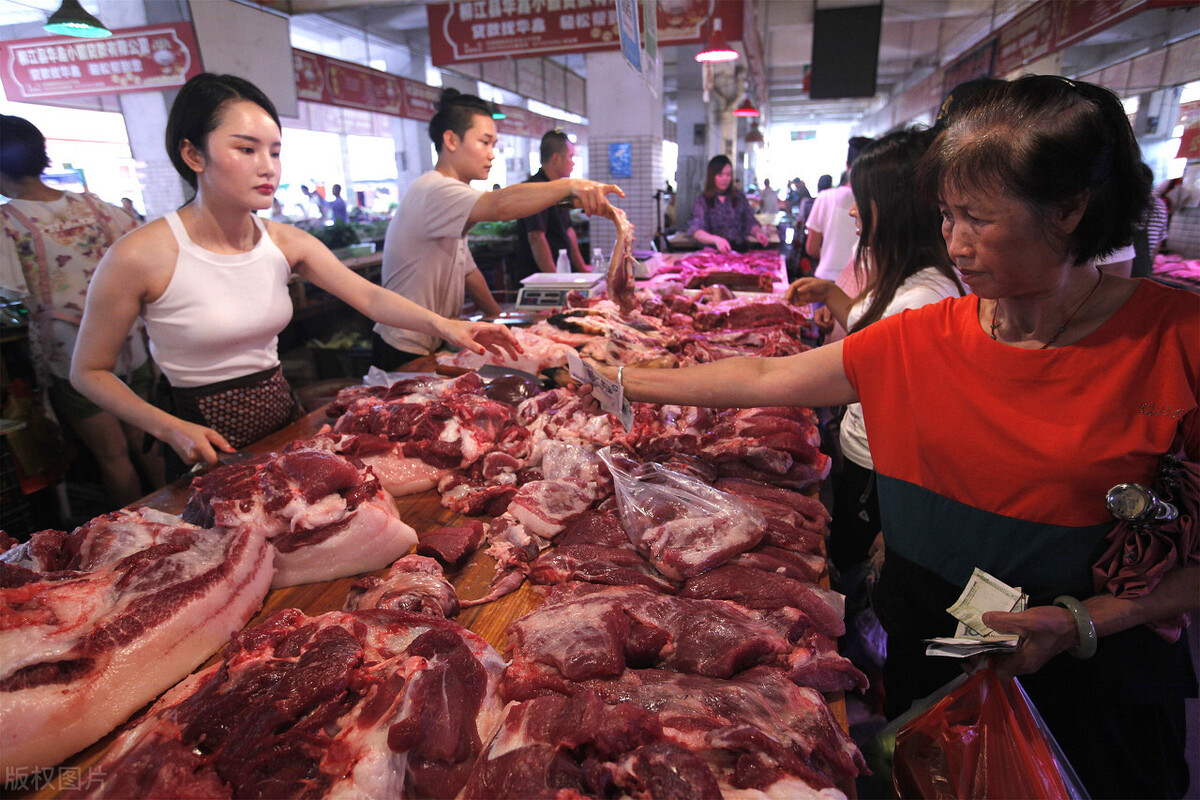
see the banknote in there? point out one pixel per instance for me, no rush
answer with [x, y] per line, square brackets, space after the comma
[608, 393]
[983, 593]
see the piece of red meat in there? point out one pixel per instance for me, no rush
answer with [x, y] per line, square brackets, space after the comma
[451, 545]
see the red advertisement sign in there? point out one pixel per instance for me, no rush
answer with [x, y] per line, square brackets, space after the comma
[1028, 36]
[131, 60]
[310, 76]
[1079, 19]
[420, 100]
[355, 86]
[481, 30]
[975, 64]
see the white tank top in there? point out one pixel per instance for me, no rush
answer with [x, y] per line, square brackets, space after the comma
[221, 315]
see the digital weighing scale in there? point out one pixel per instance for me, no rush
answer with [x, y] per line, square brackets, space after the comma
[550, 289]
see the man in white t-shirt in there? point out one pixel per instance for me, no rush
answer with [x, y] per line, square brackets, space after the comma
[425, 253]
[831, 235]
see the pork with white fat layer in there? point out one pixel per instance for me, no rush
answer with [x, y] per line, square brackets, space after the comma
[96, 623]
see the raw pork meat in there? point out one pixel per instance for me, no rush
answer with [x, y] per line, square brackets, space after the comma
[651, 733]
[754, 588]
[96, 623]
[374, 703]
[584, 631]
[452, 545]
[414, 583]
[326, 516]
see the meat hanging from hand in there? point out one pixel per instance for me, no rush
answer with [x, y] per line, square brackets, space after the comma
[621, 265]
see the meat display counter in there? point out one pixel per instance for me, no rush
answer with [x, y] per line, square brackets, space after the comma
[423, 512]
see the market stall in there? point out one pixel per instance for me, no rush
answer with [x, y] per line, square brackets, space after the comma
[426, 511]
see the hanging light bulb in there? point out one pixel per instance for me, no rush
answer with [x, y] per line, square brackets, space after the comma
[718, 49]
[746, 109]
[72, 20]
[754, 135]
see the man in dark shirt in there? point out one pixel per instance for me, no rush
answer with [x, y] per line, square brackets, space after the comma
[542, 236]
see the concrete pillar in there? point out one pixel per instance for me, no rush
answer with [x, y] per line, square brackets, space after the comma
[696, 143]
[622, 109]
[145, 121]
[145, 116]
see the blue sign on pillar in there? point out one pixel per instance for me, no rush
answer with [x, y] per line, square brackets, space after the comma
[620, 160]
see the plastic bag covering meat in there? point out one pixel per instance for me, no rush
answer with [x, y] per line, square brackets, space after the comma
[682, 525]
[981, 739]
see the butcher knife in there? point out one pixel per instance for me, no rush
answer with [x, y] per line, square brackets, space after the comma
[223, 460]
[498, 371]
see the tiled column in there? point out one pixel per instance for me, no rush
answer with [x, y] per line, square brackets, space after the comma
[622, 109]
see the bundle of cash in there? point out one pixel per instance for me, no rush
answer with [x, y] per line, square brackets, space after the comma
[983, 592]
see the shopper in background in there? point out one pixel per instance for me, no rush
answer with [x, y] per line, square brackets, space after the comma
[542, 236]
[127, 207]
[211, 283]
[831, 238]
[998, 422]
[768, 202]
[51, 245]
[337, 206]
[721, 215]
[425, 254]
[900, 263]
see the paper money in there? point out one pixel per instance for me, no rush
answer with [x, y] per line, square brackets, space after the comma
[983, 593]
[609, 394]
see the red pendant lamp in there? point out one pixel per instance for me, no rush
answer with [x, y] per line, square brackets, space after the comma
[746, 109]
[718, 48]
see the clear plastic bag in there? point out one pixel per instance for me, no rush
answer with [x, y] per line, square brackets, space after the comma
[683, 525]
[980, 737]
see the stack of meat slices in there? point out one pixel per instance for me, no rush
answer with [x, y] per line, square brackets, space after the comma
[96, 623]
[370, 702]
[326, 515]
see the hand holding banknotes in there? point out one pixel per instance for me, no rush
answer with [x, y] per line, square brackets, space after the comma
[1045, 632]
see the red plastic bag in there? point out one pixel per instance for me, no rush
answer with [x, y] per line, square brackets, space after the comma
[982, 739]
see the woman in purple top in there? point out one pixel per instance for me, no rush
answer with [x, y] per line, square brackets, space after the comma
[721, 215]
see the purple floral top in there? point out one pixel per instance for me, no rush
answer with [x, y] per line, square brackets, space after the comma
[731, 219]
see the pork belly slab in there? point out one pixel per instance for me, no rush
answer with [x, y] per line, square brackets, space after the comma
[325, 514]
[373, 703]
[120, 611]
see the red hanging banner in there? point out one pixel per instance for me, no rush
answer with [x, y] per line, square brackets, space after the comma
[481, 30]
[140, 59]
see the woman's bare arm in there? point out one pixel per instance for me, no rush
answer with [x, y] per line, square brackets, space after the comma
[122, 282]
[813, 378]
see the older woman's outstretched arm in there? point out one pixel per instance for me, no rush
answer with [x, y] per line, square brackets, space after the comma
[813, 378]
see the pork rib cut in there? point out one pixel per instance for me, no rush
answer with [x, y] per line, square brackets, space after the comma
[125, 607]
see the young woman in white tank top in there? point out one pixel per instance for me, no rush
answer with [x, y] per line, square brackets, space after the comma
[211, 283]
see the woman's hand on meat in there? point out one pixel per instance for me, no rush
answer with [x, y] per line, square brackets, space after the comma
[760, 235]
[808, 290]
[1045, 632]
[194, 443]
[721, 243]
[479, 337]
[590, 195]
[823, 318]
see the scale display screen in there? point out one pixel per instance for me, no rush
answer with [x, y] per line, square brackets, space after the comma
[545, 292]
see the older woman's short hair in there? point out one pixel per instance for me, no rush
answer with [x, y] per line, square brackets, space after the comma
[1051, 143]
